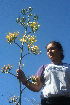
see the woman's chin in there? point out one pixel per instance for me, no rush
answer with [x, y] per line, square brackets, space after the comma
[51, 57]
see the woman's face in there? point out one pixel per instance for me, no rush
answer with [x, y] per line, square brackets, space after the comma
[53, 52]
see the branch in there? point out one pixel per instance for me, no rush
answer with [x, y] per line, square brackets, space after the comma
[21, 24]
[25, 87]
[22, 90]
[28, 33]
[17, 44]
[12, 74]
[26, 54]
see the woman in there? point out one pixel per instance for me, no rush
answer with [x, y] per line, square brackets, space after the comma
[54, 77]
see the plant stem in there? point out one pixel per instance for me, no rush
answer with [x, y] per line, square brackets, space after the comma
[20, 92]
[19, 79]
[23, 89]
[20, 62]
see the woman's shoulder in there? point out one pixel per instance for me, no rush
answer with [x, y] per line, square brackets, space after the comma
[66, 65]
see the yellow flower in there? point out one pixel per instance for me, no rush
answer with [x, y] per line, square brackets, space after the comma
[10, 34]
[23, 64]
[11, 37]
[32, 48]
[28, 35]
[8, 65]
[7, 37]
[29, 45]
[38, 25]
[29, 39]
[34, 26]
[21, 39]
[17, 33]
[36, 47]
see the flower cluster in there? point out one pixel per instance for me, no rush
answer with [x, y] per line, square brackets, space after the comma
[13, 100]
[35, 50]
[35, 79]
[24, 11]
[11, 37]
[6, 69]
[29, 40]
[34, 26]
[21, 21]
[22, 39]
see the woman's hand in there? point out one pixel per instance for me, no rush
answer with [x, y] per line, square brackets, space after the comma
[33, 87]
[21, 75]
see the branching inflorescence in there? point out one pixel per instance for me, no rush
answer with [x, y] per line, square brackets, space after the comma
[29, 40]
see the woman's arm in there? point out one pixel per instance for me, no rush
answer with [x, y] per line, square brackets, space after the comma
[34, 87]
[29, 85]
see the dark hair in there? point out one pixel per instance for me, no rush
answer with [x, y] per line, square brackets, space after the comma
[59, 46]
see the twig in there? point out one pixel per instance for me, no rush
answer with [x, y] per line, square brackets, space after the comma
[17, 44]
[12, 74]
[23, 89]
[26, 54]
[28, 33]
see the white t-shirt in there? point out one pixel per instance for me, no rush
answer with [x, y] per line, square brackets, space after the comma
[56, 81]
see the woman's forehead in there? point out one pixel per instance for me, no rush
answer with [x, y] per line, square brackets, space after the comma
[50, 45]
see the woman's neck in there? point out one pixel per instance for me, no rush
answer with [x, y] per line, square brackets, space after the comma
[57, 62]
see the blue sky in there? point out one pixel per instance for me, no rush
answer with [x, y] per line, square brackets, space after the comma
[54, 20]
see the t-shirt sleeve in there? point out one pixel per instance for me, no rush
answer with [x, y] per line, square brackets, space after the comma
[40, 73]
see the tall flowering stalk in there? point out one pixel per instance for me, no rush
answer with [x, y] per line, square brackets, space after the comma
[29, 40]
